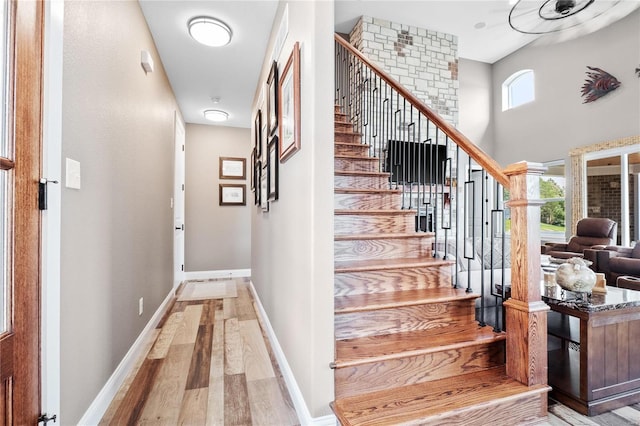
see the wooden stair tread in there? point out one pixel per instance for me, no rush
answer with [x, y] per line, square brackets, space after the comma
[360, 173]
[365, 191]
[375, 301]
[354, 157]
[403, 236]
[376, 212]
[409, 404]
[386, 264]
[346, 132]
[355, 144]
[360, 350]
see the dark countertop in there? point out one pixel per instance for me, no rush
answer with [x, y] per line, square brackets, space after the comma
[614, 298]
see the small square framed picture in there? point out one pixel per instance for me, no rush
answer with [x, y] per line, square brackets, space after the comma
[233, 194]
[233, 168]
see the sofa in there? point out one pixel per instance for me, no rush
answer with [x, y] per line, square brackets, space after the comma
[490, 265]
[616, 261]
[591, 232]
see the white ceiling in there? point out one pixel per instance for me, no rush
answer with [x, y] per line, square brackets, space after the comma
[199, 73]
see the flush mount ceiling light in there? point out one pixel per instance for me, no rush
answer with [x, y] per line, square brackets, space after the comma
[552, 16]
[209, 31]
[216, 115]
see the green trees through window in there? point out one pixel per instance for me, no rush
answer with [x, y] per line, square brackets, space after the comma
[552, 213]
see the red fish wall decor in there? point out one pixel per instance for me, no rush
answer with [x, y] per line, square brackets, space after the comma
[598, 84]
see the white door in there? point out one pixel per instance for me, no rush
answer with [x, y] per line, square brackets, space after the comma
[178, 204]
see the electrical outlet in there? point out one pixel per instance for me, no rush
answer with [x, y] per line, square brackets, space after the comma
[140, 306]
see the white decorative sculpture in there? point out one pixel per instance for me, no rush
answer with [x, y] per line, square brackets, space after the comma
[576, 276]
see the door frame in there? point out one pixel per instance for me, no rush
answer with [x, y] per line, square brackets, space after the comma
[51, 218]
[179, 179]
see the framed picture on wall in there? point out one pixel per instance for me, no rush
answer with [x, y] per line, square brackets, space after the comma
[253, 169]
[265, 140]
[272, 99]
[257, 167]
[257, 135]
[289, 106]
[233, 168]
[233, 194]
[272, 168]
[264, 196]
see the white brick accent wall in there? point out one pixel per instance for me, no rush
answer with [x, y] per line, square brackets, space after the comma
[424, 61]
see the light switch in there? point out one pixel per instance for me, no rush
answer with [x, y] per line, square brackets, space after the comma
[72, 174]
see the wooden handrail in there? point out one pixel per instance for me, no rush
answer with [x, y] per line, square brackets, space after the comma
[478, 155]
[6, 164]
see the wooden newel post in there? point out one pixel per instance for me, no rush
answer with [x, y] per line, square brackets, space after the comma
[526, 314]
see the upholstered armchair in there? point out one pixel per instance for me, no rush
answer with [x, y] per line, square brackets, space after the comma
[590, 232]
[616, 261]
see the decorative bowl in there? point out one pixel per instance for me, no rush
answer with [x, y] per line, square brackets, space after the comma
[575, 275]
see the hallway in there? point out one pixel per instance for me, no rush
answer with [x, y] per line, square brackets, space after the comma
[208, 363]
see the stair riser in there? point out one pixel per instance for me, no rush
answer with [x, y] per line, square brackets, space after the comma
[357, 150]
[371, 282]
[435, 317]
[372, 224]
[524, 410]
[340, 118]
[388, 201]
[416, 369]
[388, 248]
[342, 125]
[349, 165]
[347, 137]
[361, 182]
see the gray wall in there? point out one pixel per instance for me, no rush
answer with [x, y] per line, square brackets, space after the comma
[557, 121]
[292, 244]
[475, 100]
[216, 237]
[117, 230]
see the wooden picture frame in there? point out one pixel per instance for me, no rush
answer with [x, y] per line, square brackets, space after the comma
[272, 99]
[264, 199]
[233, 194]
[233, 168]
[264, 142]
[258, 176]
[289, 106]
[253, 170]
[272, 169]
[257, 133]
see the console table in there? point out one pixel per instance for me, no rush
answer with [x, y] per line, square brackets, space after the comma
[594, 349]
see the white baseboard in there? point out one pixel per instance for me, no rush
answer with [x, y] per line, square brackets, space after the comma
[210, 275]
[99, 406]
[296, 395]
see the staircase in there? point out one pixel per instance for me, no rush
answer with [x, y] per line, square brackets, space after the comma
[408, 347]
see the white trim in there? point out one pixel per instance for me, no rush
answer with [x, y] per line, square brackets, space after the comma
[211, 275]
[51, 225]
[296, 395]
[99, 406]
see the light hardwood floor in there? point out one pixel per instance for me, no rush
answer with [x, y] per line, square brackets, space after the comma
[209, 363]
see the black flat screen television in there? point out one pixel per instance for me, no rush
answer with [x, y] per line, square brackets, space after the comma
[413, 162]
